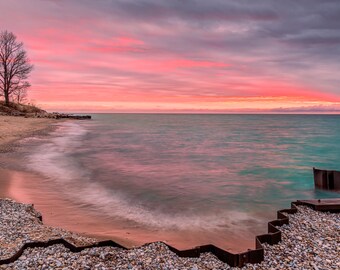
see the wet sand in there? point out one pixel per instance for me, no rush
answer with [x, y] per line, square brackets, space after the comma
[59, 212]
[4, 183]
[12, 129]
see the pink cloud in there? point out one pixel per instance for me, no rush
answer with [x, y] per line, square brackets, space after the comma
[183, 58]
[116, 45]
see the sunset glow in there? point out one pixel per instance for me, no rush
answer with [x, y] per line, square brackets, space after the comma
[180, 56]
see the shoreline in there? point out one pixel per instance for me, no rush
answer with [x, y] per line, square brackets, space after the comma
[309, 241]
[29, 187]
[12, 130]
[59, 212]
[15, 128]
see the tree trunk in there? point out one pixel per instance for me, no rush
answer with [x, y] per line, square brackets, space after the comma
[6, 98]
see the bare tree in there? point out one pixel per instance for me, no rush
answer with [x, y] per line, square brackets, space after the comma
[14, 66]
[19, 94]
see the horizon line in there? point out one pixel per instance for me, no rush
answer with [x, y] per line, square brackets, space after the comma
[210, 113]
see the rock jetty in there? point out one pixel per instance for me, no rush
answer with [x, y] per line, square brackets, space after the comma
[55, 115]
[31, 111]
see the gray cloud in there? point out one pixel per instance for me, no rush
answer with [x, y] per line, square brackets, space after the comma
[296, 42]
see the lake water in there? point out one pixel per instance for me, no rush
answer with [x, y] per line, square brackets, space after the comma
[210, 175]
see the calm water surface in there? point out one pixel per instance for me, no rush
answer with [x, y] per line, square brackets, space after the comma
[207, 173]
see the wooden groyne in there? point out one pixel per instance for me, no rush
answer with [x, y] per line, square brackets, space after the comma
[327, 179]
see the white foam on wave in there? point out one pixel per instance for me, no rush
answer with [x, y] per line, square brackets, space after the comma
[54, 160]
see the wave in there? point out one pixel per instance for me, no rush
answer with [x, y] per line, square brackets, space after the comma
[57, 160]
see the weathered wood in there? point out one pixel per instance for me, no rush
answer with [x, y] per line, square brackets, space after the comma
[326, 179]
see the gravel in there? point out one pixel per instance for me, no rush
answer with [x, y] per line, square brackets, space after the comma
[310, 241]
[20, 223]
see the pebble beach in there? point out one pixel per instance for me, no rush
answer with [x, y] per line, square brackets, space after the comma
[310, 241]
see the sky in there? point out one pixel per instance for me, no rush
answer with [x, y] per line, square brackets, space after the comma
[180, 56]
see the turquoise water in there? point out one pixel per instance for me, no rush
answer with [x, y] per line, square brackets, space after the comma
[183, 172]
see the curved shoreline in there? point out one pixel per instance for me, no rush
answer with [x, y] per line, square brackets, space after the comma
[30, 187]
[12, 130]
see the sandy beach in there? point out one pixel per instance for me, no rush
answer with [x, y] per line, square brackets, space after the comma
[14, 128]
